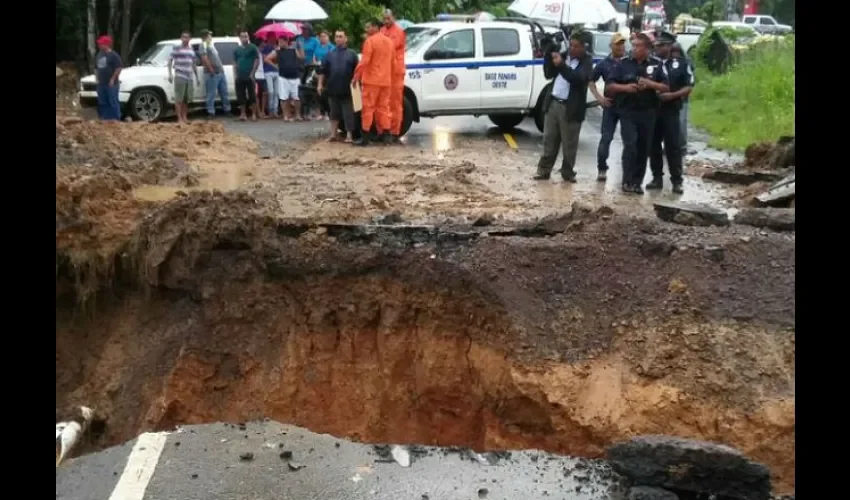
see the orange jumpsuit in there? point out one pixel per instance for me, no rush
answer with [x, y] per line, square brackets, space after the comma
[374, 72]
[396, 34]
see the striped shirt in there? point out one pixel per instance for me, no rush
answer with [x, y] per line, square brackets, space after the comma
[184, 62]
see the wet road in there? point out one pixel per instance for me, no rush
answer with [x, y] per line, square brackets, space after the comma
[511, 167]
[208, 462]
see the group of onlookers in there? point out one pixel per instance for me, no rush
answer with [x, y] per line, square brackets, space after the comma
[288, 61]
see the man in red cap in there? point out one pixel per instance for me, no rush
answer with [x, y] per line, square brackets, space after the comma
[107, 70]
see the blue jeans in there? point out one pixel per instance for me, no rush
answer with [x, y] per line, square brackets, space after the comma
[610, 117]
[217, 83]
[271, 91]
[108, 107]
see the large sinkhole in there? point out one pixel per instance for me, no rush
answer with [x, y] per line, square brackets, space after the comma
[565, 343]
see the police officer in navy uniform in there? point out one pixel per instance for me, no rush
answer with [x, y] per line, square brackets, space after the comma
[677, 51]
[635, 84]
[604, 69]
[667, 124]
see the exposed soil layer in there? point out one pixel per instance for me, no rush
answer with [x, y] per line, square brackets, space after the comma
[566, 335]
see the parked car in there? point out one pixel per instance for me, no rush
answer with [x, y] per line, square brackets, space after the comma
[736, 25]
[145, 93]
[766, 25]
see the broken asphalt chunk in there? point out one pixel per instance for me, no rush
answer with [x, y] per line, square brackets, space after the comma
[246, 457]
[691, 466]
[778, 219]
[781, 192]
[741, 177]
[690, 214]
[295, 466]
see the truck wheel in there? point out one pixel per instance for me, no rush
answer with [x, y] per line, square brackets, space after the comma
[407, 116]
[147, 104]
[506, 122]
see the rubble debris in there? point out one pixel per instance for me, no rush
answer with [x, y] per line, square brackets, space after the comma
[400, 455]
[295, 466]
[690, 214]
[778, 219]
[771, 156]
[689, 465]
[742, 177]
[246, 457]
[485, 219]
[391, 218]
[783, 191]
[651, 493]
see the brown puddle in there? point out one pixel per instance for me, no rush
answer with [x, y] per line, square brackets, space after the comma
[222, 178]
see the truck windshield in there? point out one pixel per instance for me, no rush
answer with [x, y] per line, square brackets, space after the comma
[157, 55]
[416, 39]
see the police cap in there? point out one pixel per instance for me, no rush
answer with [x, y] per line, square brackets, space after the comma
[665, 38]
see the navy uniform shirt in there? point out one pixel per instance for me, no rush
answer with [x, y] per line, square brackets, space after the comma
[679, 75]
[605, 69]
[338, 69]
[628, 71]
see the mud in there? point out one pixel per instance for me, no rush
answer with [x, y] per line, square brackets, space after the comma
[565, 334]
[567, 343]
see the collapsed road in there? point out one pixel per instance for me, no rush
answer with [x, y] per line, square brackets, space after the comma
[566, 333]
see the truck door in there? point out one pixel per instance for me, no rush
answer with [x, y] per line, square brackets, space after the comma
[450, 73]
[506, 69]
[200, 88]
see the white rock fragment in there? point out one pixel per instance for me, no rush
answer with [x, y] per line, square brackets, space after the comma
[401, 456]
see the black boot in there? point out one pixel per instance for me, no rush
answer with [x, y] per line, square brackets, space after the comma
[656, 183]
[387, 138]
[602, 176]
[677, 188]
[363, 140]
[540, 176]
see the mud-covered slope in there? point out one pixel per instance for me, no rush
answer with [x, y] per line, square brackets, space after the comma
[606, 328]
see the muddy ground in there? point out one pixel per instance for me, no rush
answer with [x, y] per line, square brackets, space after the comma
[180, 305]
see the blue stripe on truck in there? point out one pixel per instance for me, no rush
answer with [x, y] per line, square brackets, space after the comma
[482, 64]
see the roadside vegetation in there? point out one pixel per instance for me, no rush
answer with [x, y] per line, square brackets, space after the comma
[752, 99]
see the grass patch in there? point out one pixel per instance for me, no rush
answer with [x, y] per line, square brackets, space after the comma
[753, 102]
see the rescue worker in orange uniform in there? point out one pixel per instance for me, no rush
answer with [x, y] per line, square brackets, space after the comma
[395, 33]
[375, 76]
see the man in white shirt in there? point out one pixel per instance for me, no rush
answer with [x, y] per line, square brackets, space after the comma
[566, 108]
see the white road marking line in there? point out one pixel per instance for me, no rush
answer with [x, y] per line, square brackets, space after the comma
[140, 467]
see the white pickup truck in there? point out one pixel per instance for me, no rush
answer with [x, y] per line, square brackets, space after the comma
[492, 68]
[145, 93]
[766, 25]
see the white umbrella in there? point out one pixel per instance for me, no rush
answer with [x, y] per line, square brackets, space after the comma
[297, 10]
[566, 11]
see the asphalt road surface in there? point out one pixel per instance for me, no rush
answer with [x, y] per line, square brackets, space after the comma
[431, 134]
[211, 462]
